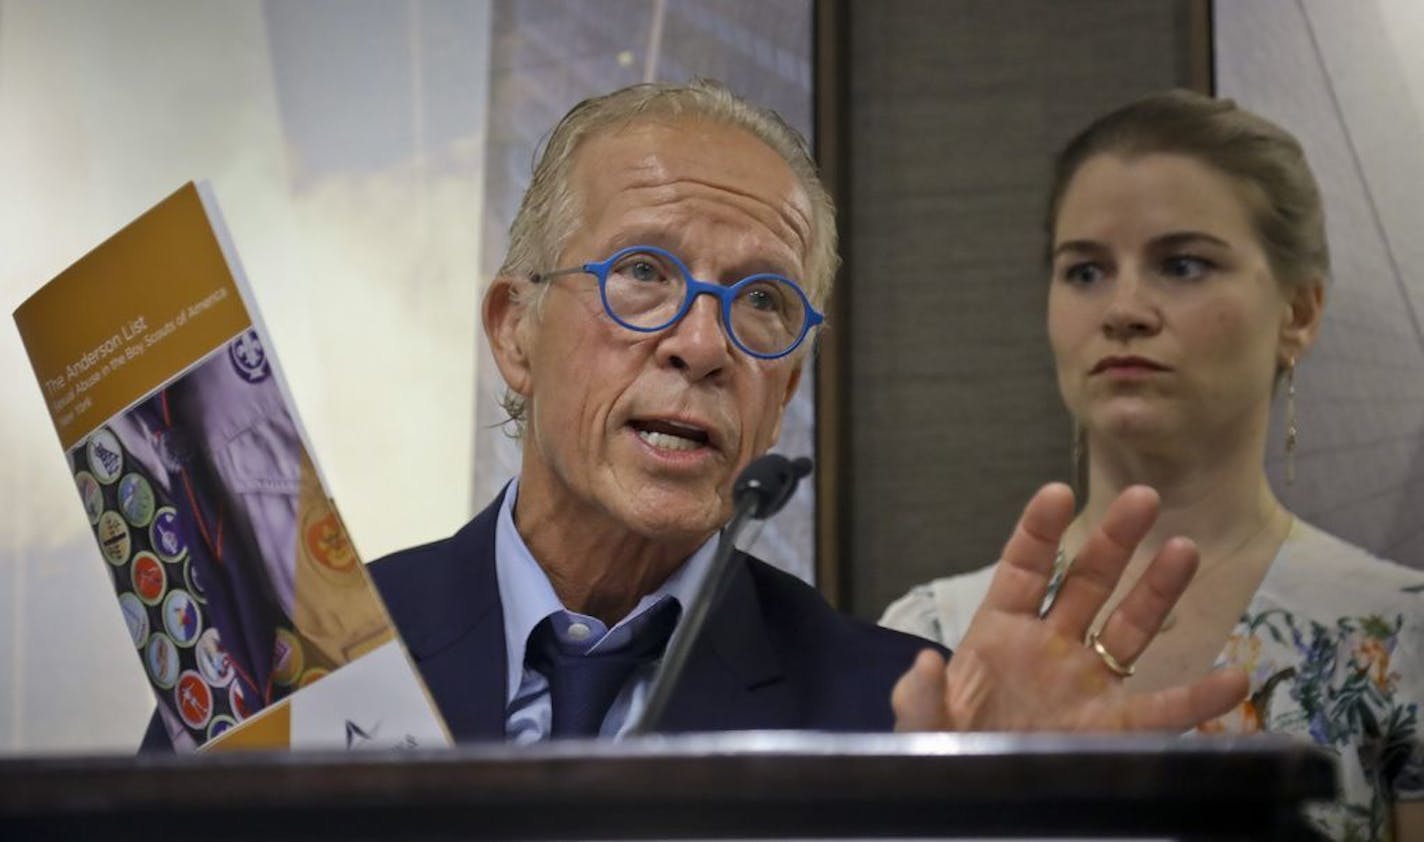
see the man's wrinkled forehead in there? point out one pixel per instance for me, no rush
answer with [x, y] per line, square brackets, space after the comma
[655, 161]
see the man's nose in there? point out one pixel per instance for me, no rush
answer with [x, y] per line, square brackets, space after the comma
[697, 345]
[1133, 309]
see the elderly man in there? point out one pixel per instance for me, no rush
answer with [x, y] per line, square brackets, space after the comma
[651, 321]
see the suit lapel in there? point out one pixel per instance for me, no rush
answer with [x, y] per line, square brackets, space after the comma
[456, 635]
[734, 678]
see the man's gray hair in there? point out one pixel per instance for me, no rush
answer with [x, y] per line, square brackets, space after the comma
[549, 213]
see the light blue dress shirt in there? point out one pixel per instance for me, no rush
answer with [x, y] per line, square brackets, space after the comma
[527, 598]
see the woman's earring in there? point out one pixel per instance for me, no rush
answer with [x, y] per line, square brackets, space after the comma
[1290, 421]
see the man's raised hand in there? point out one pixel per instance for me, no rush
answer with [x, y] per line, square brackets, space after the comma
[1017, 671]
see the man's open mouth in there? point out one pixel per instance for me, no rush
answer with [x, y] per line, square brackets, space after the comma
[670, 435]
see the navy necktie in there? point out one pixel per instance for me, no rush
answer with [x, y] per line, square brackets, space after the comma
[583, 686]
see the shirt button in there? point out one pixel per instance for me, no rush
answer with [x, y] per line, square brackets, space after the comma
[579, 631]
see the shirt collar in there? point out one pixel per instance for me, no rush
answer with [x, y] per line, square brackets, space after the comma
[527, 596]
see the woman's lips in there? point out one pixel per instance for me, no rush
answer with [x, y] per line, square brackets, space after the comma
[1127, 366]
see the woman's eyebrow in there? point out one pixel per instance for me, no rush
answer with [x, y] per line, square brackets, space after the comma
[1077, 246]
[1183, 238]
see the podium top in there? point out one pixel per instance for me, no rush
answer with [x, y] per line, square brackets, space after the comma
[709, 786]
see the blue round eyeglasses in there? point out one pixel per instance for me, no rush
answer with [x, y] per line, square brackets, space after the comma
[648, 289]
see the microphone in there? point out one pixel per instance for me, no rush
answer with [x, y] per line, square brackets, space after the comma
[771, 480]
[761, 490]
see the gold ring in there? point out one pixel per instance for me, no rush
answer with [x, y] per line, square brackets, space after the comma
[1112, 663]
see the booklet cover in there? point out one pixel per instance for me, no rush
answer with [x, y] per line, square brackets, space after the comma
[250, 611]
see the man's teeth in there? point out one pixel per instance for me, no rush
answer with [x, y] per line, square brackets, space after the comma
[667, 441]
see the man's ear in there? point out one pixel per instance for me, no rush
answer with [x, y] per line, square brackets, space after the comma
[505, 313]
[1305, 305]
[791, 385]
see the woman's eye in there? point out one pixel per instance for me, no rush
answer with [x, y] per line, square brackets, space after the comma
[1083, 273]
[1186, 267]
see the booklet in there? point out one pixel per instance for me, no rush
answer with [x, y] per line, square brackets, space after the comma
[250, 611]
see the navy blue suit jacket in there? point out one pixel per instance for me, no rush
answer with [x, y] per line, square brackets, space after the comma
[772, 655]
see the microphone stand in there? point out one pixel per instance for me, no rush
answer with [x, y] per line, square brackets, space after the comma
[760, 492]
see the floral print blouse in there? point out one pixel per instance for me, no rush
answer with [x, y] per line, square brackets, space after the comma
[1334, 643]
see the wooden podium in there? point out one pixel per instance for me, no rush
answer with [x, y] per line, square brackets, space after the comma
[747, 785]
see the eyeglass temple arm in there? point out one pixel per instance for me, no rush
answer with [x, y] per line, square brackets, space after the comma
[537, 277]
